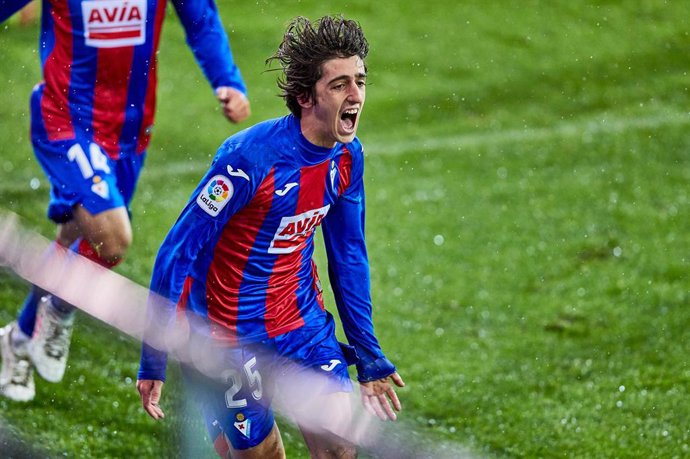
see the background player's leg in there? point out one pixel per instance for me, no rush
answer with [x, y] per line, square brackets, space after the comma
[66, 235]
[16, 372]
[104, 239]
[109, 233]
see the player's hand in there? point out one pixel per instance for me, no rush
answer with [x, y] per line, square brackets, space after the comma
[150, 392]
[378, 395]
[235, 104]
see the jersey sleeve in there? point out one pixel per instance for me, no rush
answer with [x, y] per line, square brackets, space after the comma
[348, 270]
[209, 42]
[9, 7]
[222, 192]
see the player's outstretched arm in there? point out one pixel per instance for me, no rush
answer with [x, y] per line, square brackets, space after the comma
[378, 395]
[235, 104]
[150, 391]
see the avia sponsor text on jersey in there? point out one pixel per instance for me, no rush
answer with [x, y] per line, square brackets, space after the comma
[293, 231]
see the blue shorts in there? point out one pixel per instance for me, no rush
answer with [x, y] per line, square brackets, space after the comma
[80, 172]
[239, 408]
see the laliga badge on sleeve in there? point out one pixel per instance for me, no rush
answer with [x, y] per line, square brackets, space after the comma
[215, 195]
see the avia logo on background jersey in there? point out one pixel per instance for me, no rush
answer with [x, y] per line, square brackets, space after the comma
[293, 231]
[215, 195]
[114, 23]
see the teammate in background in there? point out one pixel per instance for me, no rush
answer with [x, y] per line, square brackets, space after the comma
[91, 122]
[238, 260]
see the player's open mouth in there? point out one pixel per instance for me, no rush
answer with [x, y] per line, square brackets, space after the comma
[349, 119]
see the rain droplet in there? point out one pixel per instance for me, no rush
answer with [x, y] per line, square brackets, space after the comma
[439, 240]
[35, 183]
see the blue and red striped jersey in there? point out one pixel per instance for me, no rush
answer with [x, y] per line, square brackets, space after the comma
[240, 254]
[99, 66]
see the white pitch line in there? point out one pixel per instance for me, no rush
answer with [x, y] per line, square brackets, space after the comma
[601, 125]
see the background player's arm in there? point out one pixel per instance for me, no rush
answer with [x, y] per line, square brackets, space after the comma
[211, 47]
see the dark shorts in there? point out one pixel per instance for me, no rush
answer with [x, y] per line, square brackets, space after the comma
[238, 408]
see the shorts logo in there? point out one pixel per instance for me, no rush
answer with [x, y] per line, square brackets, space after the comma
[293, 231]
[242, 424]
[100, 187]
[114, 23]
[215, 195]
[331, 365]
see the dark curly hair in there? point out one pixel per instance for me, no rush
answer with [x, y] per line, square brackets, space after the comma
[306, 46]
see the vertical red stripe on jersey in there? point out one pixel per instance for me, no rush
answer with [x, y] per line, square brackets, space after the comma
[345, 171]
[281, 296]
[110, 96]
[317, 285]
[230, 258]
[54, 103]
[184, 296]
[150, 104]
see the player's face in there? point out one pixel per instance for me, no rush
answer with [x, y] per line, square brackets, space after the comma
[339, 98]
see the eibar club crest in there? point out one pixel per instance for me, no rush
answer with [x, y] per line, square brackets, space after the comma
[100, 187]
[242, 424]
[114, 23]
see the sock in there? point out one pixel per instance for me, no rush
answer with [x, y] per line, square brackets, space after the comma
[27, 315]
[18, 338]
[85, 249]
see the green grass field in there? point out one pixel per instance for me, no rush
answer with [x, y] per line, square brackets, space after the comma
[528, 202]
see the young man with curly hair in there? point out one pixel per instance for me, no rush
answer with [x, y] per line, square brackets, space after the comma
[238, 261]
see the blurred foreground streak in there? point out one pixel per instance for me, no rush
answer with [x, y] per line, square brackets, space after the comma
[134, 310]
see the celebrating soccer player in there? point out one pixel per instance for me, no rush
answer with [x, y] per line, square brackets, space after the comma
[238, 261]
[91, 122]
